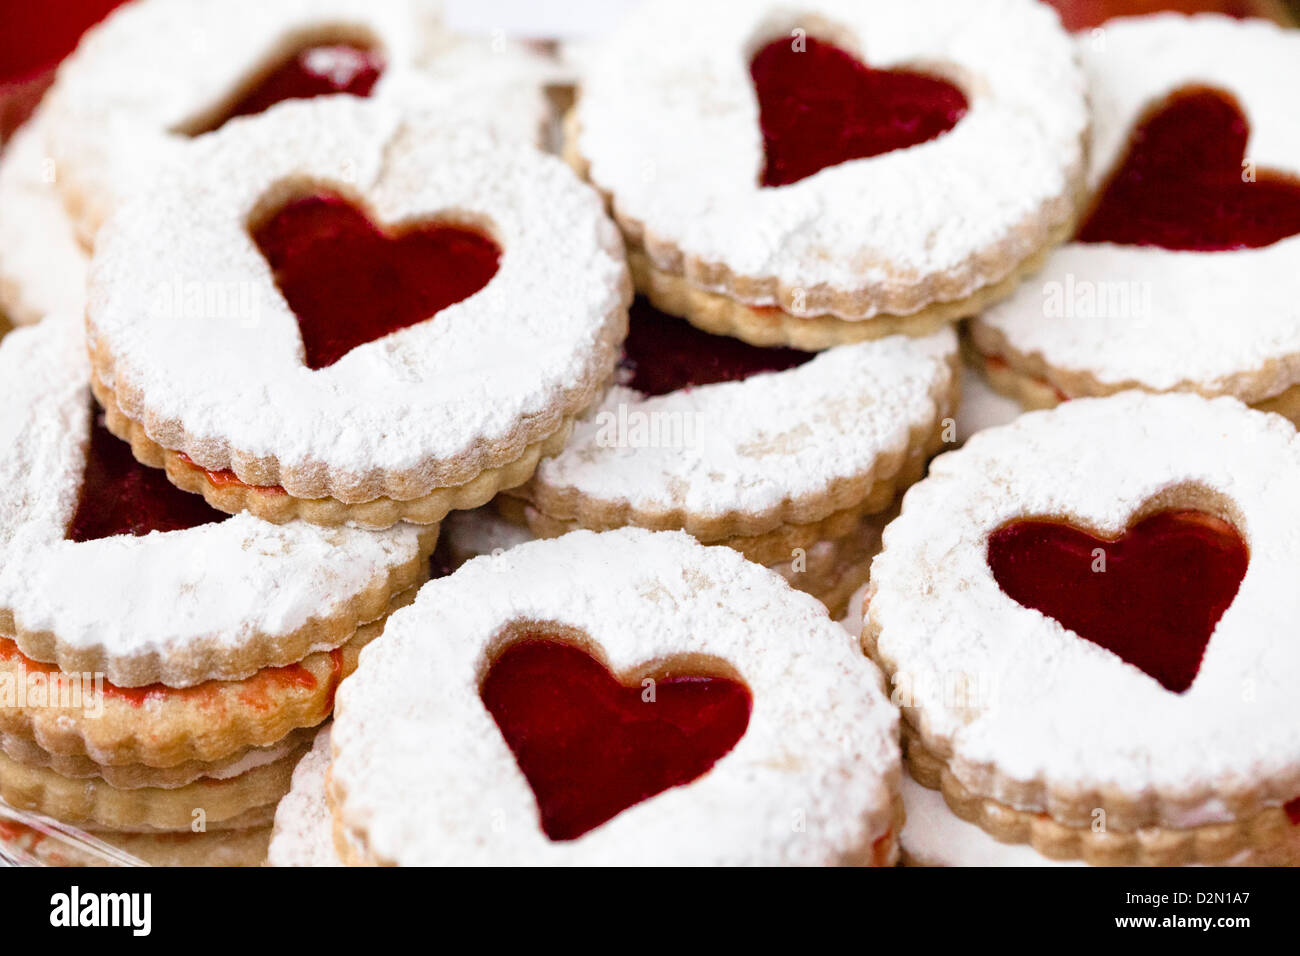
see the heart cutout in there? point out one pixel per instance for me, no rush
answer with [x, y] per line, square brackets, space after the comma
[820, 106]
[1166, 582]
[350, 282]
[121, 496]
[590, 746]
[319, 69]
[663, 353]
[1180, 184]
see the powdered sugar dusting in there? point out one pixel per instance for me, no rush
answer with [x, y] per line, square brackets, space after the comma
[748, 446]
[1209, 320]
[42, 266]
[304, 827]
[1056, 708]
[490, 368]
[429, 779]
[213, 585]
[669, 123]
[154, 66]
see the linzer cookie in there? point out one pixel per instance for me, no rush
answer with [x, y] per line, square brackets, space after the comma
[1084, 618]
[42, 266]
[791, 457]
[1182, 274]
[159, 72]
[628, 697]
[157, 735]
[420, 332]
[848, 170]
[109, 570]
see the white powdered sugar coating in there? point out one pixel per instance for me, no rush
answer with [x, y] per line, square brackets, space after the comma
[428, 778]
[42, 266]
[304, 828]
[488, 369]
[1196, 320]
[156, 66]
[749, 446]
[213, 586]
[1059, 714]
[668, 120]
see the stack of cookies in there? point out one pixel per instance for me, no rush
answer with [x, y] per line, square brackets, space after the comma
[162, 661]
[306, 294]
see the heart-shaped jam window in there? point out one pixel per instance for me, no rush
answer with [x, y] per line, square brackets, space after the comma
[350, 282]
[121, 496]
[1152, 596]
[590, 746]
[316, 70]
[819, 106]
[663, 353]
[1184, 184]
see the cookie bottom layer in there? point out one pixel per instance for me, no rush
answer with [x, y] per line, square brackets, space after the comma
[207, 723]
[274, 504]
[770, 326]
[1267, 838]
[53, 847]
[24, 751]
[220, 804]
[1033, 389]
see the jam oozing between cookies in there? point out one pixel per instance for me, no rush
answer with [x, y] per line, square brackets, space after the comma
[1185, 183]
[663, 354]
[315, 70]
[121, 496]
[350, 282]
[1153, 596]
[820, 106]
[590, 746]
[266, 690]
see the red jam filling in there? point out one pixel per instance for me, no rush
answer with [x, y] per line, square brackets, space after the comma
[1293, 811]
[350, 282]
[663, 354]
[225, 478]
[821, 106]
[312, 71]
[258, 691]
[996, 363]
[1182, 184]
[591, 746]
[1166, 582]
[121, 496]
